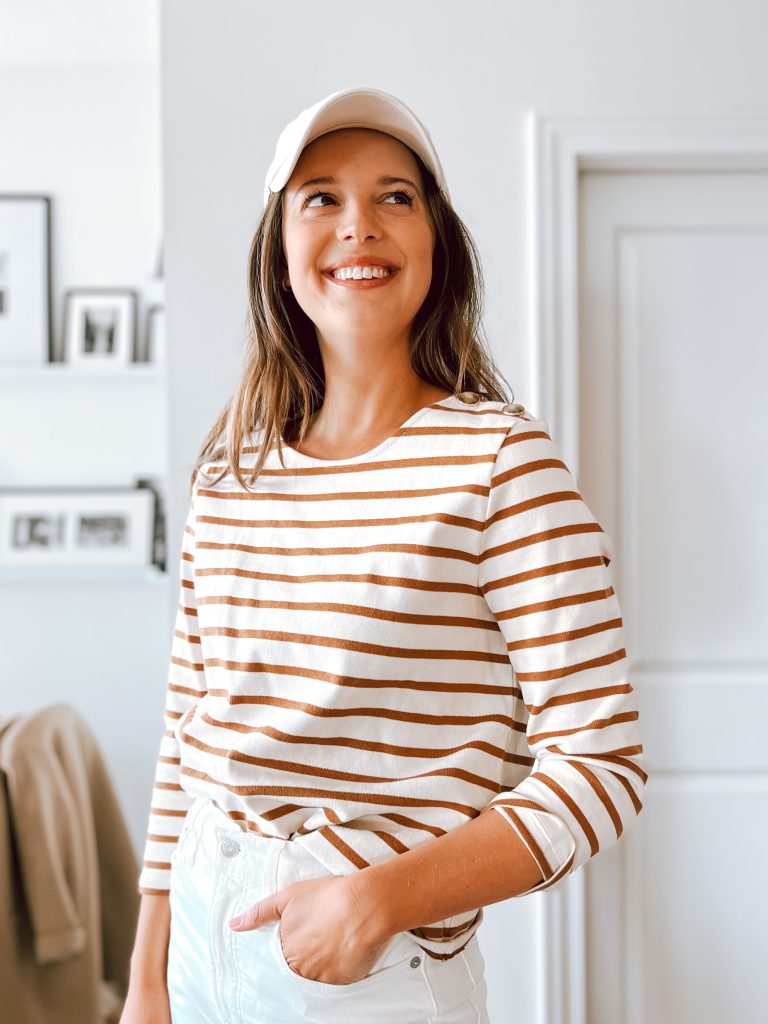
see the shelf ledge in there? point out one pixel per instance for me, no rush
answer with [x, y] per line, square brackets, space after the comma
[82, 574]
[72, 371]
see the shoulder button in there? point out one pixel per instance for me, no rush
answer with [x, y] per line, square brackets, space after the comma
[468, 397]
[513, 409]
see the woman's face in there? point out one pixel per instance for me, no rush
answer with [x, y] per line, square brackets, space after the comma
[371, 205]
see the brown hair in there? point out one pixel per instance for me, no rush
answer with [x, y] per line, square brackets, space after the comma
[283, 383]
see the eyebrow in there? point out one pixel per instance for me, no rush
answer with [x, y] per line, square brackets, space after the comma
[385, 179]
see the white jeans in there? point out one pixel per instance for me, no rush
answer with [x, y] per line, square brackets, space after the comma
[220, 976]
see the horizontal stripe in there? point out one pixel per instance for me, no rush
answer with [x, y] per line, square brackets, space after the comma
[370, 652]
[394, 750]
[339, 608]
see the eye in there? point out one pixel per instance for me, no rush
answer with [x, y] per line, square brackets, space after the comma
[314, 195]
[405, 194]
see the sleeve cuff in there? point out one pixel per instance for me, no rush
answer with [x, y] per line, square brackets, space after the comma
[548, 841]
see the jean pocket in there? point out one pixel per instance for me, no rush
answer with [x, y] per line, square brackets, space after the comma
[393, 960]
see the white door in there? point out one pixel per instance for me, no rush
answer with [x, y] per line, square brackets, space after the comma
[673, 391]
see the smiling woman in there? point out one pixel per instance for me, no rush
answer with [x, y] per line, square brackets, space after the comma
[395, 617]
[355, 178]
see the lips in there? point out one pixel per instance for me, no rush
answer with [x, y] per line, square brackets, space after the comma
[360, 261]
[361, 282]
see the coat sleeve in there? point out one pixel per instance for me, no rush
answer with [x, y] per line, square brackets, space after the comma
[544, 574]
[185, 688]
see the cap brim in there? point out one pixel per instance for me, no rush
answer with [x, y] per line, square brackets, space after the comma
[351, 108]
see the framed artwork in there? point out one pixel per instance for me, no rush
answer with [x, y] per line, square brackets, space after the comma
[99, 326]
[107, 527]
[25, 279]
[154, 336]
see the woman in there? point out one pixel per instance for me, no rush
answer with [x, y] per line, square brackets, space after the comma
[394, 604]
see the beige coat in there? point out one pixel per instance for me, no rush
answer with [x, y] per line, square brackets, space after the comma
[68, 869]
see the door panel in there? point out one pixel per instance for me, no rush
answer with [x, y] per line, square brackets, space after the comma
[673, 328]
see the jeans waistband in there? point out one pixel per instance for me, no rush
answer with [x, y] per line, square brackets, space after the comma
[226, 845]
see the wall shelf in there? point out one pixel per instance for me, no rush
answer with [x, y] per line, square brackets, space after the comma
[59, 372]
[145, 574]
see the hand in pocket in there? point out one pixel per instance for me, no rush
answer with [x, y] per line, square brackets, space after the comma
[326, 931]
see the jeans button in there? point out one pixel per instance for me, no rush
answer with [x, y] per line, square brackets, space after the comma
[230, 848]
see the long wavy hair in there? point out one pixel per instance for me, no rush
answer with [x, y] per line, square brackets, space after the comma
[283, 383]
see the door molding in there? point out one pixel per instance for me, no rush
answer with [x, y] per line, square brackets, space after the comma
[558, 149]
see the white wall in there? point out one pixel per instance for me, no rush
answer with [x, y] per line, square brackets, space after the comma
[83, 32]
[234, 72]
[80, 120]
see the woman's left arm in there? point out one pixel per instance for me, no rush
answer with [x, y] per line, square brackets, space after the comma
[544, 574]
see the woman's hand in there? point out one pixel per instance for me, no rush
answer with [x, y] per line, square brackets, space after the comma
[146, 1003]
[325, 928]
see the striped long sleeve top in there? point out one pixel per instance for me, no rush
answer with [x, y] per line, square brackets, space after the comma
[371, 651]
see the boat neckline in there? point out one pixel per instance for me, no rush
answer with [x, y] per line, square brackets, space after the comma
[300, 458]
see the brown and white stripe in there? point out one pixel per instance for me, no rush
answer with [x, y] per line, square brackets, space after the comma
[370, 652]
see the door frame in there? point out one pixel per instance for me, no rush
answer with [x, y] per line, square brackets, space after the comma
[558, 149]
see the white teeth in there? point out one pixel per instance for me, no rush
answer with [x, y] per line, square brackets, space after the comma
[359, 273]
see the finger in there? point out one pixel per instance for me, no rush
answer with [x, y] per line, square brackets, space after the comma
[257, 915]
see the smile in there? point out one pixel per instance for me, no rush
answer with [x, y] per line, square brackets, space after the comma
[360, 277]
[345, 273]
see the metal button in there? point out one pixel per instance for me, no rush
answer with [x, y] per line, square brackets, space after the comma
[415, 961]
[468, 397]
[230, 848]
[513, 409]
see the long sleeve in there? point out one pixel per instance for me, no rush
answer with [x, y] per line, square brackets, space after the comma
[186, 686]
[544, 575]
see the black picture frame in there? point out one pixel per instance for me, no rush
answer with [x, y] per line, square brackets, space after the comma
[100, 294]
[44, 290]
[78, 527]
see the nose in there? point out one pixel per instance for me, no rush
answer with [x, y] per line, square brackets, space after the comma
[359, 223]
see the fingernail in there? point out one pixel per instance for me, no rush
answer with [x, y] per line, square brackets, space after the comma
[235, 922]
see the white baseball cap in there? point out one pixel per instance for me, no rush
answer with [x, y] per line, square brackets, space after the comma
[352, 108]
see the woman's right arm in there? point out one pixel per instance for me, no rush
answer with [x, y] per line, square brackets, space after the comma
[147, 998]
[186, 686]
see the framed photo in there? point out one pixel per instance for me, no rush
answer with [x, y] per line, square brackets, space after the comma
[154, 336]
[99, 326]
[25, 279]
[107, 527]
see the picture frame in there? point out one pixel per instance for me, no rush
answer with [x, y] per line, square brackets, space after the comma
[26, 335]
[108, 527]
[100, 327]
[155, 350]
